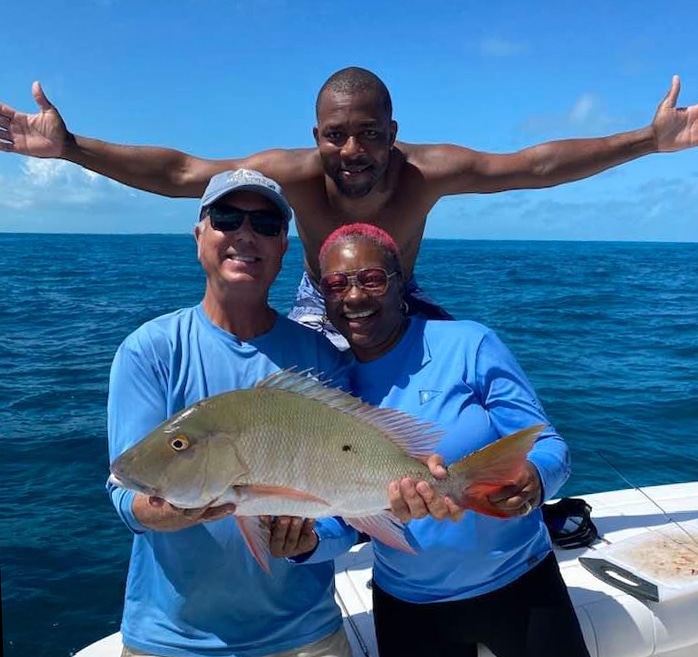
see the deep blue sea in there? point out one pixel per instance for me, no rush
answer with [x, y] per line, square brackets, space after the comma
[607, 332]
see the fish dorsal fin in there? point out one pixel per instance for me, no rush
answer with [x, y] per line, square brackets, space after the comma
[417, 438]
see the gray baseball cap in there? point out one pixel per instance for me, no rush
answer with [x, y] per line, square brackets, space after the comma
[245, 180]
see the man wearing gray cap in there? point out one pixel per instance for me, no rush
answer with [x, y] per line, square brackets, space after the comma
[193, 587]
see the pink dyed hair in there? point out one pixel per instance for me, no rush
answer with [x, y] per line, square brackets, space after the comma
[360, 231]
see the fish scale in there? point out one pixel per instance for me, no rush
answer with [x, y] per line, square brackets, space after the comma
[333, 454]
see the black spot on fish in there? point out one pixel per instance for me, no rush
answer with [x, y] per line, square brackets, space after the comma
[346, 448]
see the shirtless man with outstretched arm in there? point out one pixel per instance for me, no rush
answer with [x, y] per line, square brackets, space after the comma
[357, 171]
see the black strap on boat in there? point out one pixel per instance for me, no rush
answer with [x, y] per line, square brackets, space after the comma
[569, 523]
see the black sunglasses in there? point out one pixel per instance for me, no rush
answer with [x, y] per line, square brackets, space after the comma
[229, 218]
[372, 280]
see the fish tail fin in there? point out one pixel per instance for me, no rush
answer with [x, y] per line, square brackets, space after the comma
[491, 468]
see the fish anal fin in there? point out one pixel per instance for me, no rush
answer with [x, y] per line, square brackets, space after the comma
[257, 536]
[384, 527]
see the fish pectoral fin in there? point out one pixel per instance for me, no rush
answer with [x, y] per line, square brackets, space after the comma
[260, 490]
[257, 536]
[385, 527]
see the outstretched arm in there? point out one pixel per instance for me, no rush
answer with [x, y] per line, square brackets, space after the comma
[160, 170]
[457, 170]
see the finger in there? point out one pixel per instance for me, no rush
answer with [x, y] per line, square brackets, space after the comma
[220, 511]
[511, 505]
[308, 528]
[504, 493]
[205, 513]
[293, 534]
[6, 112]
[455, 512]
[397, 504]
[277, 539]
[7, 147]
[40, 97]
[522, 509]
[436, 466]
[435, 504]
[673, 95]
[415, 504]
[213, 514]
[279, 528]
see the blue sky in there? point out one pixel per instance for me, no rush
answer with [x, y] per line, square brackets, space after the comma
[221, 78]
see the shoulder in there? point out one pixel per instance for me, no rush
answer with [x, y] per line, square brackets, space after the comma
[434, 158]
[311, 348]
[464, 338]
[159, 333]
[464, 330]
[291, 330]
[288, 166]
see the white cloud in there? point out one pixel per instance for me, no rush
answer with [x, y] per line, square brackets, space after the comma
[496, 47]
[585, 117]
[661, 209]
[56, 183]
[583, 109]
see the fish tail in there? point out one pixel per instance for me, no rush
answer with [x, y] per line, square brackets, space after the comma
[491, 468]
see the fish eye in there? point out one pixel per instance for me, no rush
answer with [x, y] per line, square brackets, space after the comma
[179, 443]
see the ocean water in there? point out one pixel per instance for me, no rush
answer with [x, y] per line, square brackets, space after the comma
[607, 332]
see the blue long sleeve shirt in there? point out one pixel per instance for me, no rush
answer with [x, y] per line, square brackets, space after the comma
[460, 376]
[199, 591]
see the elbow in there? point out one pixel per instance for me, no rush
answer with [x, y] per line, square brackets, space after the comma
[185, 181]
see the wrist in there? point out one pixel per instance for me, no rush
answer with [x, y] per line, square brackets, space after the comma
[69, 148]
[647, 140]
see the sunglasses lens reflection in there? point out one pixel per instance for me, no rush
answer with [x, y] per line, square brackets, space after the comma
[263, 222]
[373, 280]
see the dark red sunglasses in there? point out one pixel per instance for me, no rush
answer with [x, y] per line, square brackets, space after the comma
[372, 280]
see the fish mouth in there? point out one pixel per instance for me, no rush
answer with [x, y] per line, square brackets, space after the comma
[130, 484]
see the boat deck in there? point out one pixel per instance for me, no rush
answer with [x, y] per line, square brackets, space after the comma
[615, 624]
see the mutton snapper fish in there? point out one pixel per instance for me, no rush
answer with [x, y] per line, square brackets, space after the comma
[294, 446]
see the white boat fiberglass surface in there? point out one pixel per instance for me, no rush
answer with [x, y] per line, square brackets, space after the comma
[640, 551]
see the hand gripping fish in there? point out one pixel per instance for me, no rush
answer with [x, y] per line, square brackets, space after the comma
[294, 446]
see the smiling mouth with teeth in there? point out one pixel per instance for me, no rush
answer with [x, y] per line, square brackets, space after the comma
[356, 168]
[242, 258]
[359, 315]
